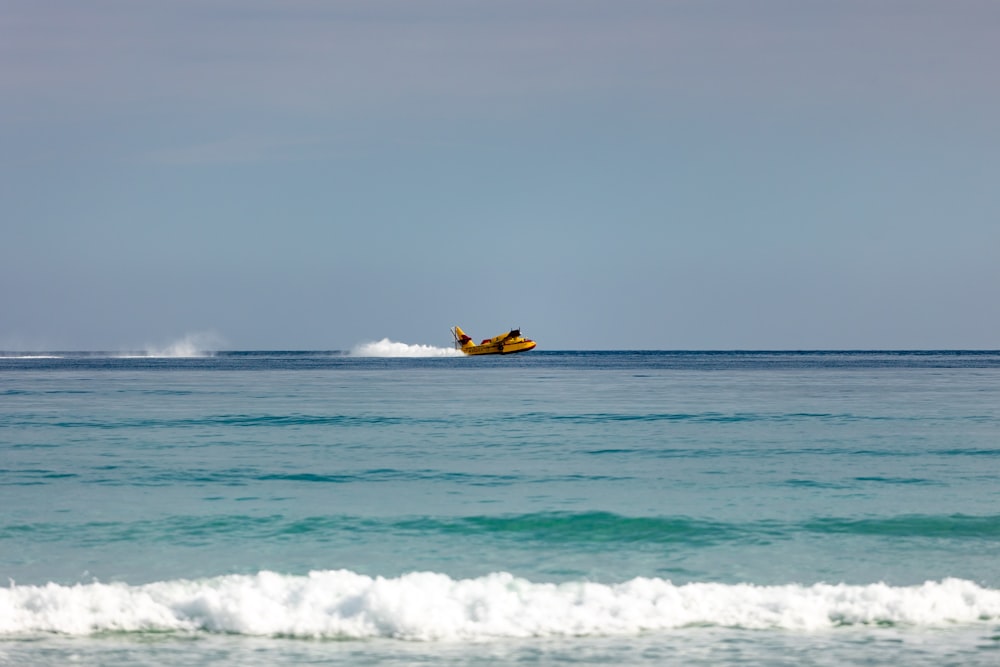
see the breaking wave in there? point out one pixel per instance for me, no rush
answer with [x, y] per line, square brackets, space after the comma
[388, 348]
[427, 606]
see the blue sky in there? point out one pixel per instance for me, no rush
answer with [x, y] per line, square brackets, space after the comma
[604, 174]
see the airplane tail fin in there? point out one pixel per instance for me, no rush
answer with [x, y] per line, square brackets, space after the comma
[462, 339]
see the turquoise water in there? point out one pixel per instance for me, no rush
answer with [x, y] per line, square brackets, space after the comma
[550, 507]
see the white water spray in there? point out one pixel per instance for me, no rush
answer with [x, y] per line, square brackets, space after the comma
[192, 345]
[388, 348]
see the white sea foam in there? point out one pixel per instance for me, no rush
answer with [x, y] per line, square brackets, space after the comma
[388, 348]
[426, 606]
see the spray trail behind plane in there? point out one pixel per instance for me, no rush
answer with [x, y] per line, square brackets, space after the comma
[203, 344]
[388, 348]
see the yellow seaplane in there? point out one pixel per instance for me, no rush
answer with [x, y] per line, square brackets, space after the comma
[506, 343]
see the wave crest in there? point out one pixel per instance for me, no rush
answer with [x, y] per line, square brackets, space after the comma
[427, 606]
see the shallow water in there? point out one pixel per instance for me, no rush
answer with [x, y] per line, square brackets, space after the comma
[635, 508]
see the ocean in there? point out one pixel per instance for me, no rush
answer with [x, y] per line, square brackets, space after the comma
[400, 505]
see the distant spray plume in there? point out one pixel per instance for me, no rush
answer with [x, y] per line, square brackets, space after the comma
[388, 348]
[192, 345]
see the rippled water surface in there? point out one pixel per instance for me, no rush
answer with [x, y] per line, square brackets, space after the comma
[639, 508]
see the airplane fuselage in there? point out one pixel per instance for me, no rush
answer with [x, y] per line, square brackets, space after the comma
[506, 343]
